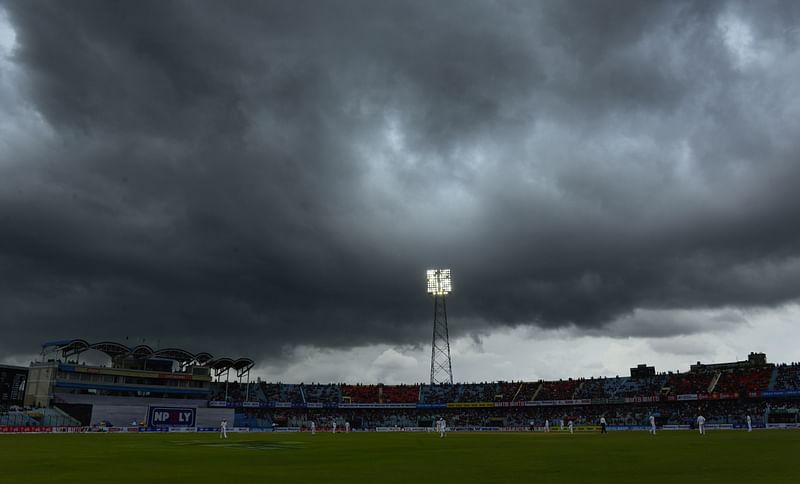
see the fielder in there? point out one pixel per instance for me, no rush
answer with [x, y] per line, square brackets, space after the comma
[547, 425]
[223, 429]
[347, 427]
[313, 428]
[442, 428]
[652, 425]
[603, 429]
[749, 424]
[701, 424]
[334, 427]
[570, 427]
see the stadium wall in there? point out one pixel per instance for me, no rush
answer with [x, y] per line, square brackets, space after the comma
[123, 415]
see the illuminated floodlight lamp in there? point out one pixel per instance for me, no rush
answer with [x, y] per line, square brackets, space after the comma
[439, 282]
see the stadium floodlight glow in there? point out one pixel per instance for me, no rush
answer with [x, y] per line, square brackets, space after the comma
[439, 282]
[440, 285]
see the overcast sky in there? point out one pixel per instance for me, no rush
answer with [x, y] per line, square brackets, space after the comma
[610, 182]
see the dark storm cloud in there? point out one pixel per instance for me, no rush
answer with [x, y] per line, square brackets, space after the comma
[250, 176]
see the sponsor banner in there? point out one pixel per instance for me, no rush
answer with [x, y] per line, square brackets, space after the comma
[719, 426]
[171, 416]
[509, 404]
[404, 429]
[474, 429]
[515, 429]
[251, 404]
[780, 393]
[717, 396]
[314, 405]
[676, 427]
[70, 430]
[377, 405]
[540, 403]
[783, 426]
[286, 429]
[20, 429]
[431, 405]
[651, 398]
[217, 403]
[744, 426]
[283, 405]
[471, 405]
[182, 429]
[687, 397]
[627, 427]
[550, 403]
[577, 428]
[584, 401]
[154, 429]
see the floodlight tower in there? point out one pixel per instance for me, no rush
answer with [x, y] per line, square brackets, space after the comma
[440, 285]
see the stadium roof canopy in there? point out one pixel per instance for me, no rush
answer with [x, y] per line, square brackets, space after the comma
[69, 347]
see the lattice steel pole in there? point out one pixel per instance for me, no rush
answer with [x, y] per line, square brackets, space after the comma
[439, 285]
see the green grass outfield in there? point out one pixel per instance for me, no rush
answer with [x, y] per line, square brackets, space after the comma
[361, 458]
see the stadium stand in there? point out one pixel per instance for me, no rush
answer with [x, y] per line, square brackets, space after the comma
[282, 392]
[788, 377]
[641, 387]
[360, 393]
[442, 393]
[321, 393]
[691, 382]
[399, 393]
[73, 394]
[743, 380]
[558, 390]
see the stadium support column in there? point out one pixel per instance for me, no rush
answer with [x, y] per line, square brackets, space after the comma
[439, 285]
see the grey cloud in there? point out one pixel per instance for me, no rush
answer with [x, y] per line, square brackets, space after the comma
[668, 323]
[259, 175]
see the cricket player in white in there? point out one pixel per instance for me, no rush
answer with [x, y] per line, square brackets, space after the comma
[547, 426]
[313, 428]
[701, 424]
[652, 425]
[561, 424]
[749, 424]
[442, 428]
[570, 426]
[347, 427]
[603, 425]
[334, 427]
[223, 429]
